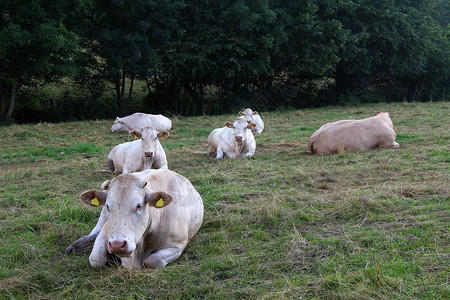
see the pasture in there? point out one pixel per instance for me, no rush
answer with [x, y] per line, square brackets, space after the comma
[282, 224]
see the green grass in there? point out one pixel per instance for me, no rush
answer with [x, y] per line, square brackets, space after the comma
[282, 224]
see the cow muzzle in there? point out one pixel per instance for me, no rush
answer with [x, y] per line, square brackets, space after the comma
[239, 139]
[148, 154]
[119, 247]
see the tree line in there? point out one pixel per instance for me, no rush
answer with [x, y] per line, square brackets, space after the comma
[203, 57]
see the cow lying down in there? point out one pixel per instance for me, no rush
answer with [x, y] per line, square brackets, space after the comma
[234, 141]
[144, 153]
[140, 120]
[355, 135]
[147, 219]
[253, 117]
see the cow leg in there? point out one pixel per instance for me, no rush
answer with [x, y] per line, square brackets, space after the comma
[162, 257]
[248, 154]
[395, 145]
[219, 153]
[99, 252]
[82, 242]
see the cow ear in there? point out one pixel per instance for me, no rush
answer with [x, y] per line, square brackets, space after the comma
[105, 184]
[229, 124]
[93, 198]
[255, 112]
[158, 199]
[241, 113]
[163, 134]
[136, 134]
[142, 184]
[251, 125]
[377, 113]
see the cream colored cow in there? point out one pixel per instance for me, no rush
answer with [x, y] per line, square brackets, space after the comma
[233, 141]
[137, 121]
[144, 153]
[355, 135]
[147, 219]
[253, 117]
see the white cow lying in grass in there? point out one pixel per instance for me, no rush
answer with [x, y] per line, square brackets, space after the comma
[233, 141]
[253, 117]
[137, 121]
[144, 153]
[147, 219]
[356, 135]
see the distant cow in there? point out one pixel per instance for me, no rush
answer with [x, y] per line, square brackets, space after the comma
[147, 219]
[137, 121]
[144, 153]
[356, 135]
[233, 141]
[253, 117]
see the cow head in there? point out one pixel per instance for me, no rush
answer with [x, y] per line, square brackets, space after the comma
[385, 117]
[240, 126]
[248, 114]
[128, 203]
[117, 126]
[149, 140]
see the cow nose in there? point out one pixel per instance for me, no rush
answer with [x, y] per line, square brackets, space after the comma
[239, 138]
[118, 246]
[148, 154]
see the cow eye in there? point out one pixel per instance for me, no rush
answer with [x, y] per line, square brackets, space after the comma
[107, 207]
[139, 206]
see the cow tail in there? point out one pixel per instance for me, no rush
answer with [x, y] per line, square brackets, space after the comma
[110, 165]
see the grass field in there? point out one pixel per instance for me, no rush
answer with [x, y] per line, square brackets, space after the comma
[282, 224]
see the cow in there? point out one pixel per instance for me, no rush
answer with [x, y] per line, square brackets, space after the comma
[355, 135]
[144, 153]
[336, 123]
[253, 117]
[233, 141]
[147, 219]
[138, 120]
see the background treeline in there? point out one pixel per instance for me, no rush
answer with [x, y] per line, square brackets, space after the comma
[65, 60]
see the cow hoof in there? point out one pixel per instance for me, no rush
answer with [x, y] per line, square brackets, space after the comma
[75, 248]
[80, 245]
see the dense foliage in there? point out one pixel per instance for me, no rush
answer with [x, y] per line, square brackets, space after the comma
[35, 44]
[197, 57]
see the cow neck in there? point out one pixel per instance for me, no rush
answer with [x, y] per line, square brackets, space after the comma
[149, 163]
[241, 147]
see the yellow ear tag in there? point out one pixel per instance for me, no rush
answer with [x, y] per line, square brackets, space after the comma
[135, 136]
[253, 126]
[95, 202]
[160, 203]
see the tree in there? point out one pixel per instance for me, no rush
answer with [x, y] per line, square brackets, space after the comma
[34, 44]
[126, 39]
[226, 45]
[391, 48]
